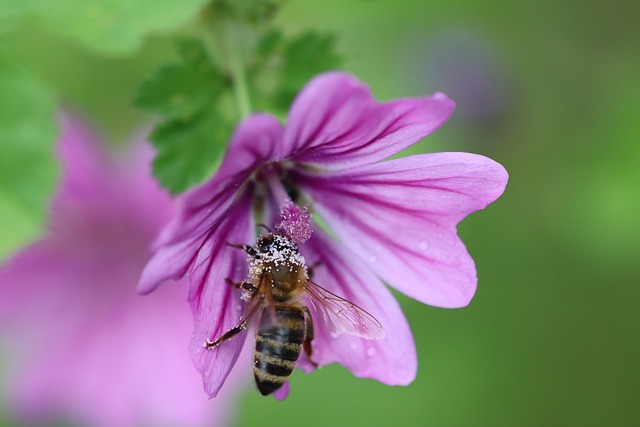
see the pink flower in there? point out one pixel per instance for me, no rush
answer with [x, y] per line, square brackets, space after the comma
[83, 345]
[394, 221]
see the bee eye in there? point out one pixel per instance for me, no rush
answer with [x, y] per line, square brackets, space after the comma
[264, 243]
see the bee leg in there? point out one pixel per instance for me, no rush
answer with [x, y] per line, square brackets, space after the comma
[245, 286]
[265, 227]
[248, 249]
[311, 268]
[308, 336]
[226, 336]
[253, 307]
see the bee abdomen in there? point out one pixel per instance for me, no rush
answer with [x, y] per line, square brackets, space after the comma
[278, 347]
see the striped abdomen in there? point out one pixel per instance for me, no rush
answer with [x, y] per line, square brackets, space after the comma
[278, 347]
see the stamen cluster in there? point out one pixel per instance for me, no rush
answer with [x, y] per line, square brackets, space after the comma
[296, 222]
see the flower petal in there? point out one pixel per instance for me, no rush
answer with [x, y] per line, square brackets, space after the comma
[67, 299]
[391, 360]
[86, 168]
[216, 305]
[255, 142]
[169, 262]
[400, 216]
[282, 392]
[337, 123]
[252, 145]
[83, 346]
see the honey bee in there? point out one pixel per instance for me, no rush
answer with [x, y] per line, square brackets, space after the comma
[275, 290]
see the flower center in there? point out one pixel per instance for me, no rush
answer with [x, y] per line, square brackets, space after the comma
[296, 220]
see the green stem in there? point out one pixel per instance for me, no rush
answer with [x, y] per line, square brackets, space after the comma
[240, 87]
[223, 36]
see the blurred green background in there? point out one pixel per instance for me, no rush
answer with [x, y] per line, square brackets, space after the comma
[549, 89]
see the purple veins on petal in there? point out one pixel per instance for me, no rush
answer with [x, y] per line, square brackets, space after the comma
[405, 212]
[391, 360]
[215, 304]
[335, 122]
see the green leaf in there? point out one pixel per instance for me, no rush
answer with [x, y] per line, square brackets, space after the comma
[269, 43]
[283, 65]
[305, 56]
[111, 27]
[252, 12]
[185, 89]
[191, 93]
[193, 135]
[188, 149]
[28, 167]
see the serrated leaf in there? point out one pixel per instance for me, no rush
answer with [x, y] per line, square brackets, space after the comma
[193, 134]
[188, 150]
[28, 167]
[303, 57]
[184, 89]
[111, 27]
[179, 90]
[283, 65]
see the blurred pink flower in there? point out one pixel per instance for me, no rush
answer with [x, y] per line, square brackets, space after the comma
[467, 65]
[394, 221]
[82, 344]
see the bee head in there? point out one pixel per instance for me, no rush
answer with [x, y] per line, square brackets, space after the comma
[264, 242]
[275, 242]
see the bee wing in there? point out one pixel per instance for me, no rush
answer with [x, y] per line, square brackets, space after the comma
[262, 301]
[341, 315]
[259, 301]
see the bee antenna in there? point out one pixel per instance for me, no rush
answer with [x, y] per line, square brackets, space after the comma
[265, 227]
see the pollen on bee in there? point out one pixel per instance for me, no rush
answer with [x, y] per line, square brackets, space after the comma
[283, 252]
